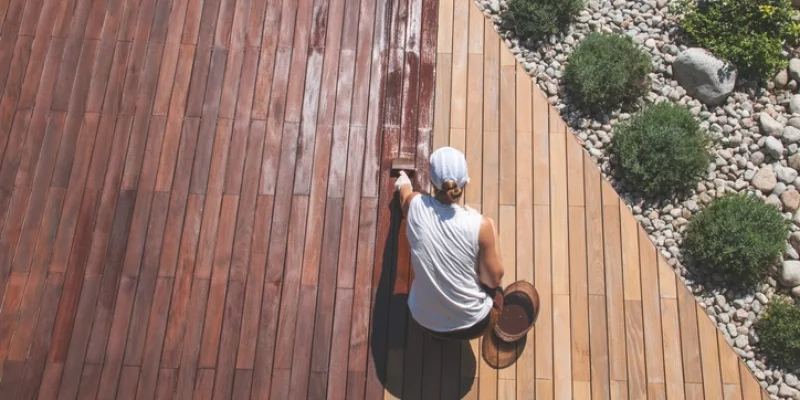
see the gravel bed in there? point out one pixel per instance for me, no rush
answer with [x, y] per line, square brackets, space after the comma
[757, 138]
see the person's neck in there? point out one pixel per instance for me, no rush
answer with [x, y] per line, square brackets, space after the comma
[445, 201]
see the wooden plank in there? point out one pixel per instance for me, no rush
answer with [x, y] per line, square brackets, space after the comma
[220, 271]
[507, 135]
[72, 203]
[444, 81]
[136, 147]
[541, 166]
[732, 392]
[579, 295]
[594, 229]
[544, 389]
[166, 384]
[614, 284]
[458, 107]
[34, 372]
[507, 232]
[728, 363]
[630, 255]
[690, 342]
[562, 365]
[362, 291]
[262, 368]
[11, 303]
[35, 285]
[147, 281]
[750, 387]
[491, 78]
[73, 280]
[709, 352]
[599, 347]
[230, 82]
[268, 57]
[284, 344]
[203, 154]
[241, 383]
[444, 41]
[694, 391]
[72, 374]
[204, 384]
[666, 277]
[637, 381]
[113, 261]
[349, 228]
[187, 375]
[651, 312]
[112, 368]
[619, 389]
[506, 389]
[673, 360]
[297, 74]
[340, 338]
[474, 145]
[255, 284]
[524, 220]
[411, 76]
[153, 344]
[224, 381]
[180, 90]
[559, 213]
[450, 383]
[543, 281]
[211, 209]
[127, 382]
[182, 287]
[90, 378]
[372, 157]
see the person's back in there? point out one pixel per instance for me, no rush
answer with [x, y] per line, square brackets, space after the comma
[446, 294]
[456, 290]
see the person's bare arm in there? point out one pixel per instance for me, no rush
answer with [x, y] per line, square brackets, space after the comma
[490, 264]
[407, 192]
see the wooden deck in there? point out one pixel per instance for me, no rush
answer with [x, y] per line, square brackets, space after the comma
[195, 204]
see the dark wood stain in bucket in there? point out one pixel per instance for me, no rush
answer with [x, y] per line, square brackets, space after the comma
[517, 314]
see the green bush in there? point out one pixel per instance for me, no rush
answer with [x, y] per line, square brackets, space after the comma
[662, 150]
[779, 334]
[748, 33]
[538, 18]
[607, 69]
[737, 237]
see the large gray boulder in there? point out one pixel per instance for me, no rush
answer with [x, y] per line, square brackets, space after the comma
[765, 180]
[769, 126]
[790, 273]
[794, 104]
[704, 76]
[794, 64]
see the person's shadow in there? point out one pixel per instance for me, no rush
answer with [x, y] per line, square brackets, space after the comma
[409, 362]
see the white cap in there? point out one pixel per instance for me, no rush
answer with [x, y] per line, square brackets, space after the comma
[448, 164]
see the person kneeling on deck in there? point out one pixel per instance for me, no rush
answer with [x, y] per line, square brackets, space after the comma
[456, 292]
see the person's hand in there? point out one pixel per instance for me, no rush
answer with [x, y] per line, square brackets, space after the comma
[401, 181]
[498, 297]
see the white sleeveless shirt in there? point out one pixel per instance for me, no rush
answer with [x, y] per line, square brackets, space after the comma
[446, 294]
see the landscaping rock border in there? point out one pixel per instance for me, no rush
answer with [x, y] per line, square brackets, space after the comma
[757, 138]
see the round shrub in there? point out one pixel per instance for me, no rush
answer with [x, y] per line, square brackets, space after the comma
[536, 19]
[779, 334]
[736, 237]
[662, 150]
[748, 33]
[607, 69]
